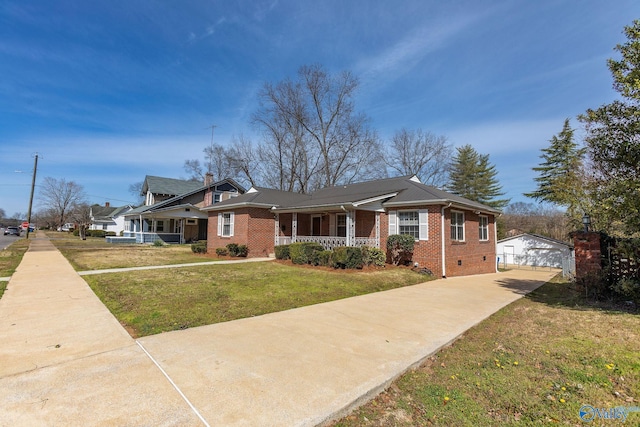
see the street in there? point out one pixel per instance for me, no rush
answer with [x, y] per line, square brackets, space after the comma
[7, 240]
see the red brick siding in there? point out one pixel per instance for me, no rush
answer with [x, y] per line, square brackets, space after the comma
[286, 221]
[260, 240]
[588, 253]
[366, 224]
[474, 256]
[427, 253]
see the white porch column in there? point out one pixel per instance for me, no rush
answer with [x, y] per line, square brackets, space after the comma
[276, 231]
[351, 227]
[294, 226]
[378, 230]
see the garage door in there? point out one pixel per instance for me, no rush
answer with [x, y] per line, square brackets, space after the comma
[544, 258]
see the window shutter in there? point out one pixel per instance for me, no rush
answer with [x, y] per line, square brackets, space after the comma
[332, 225]
[219, 223]
[230, 224]
[393, 227]
[423, 217]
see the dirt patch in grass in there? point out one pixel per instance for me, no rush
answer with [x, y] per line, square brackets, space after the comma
[152, 301]
[535, 362]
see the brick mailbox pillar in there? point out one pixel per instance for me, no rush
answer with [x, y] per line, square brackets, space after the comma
[588, 253]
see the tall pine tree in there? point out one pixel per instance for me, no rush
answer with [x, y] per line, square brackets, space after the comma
[472, 176]
[559, 179]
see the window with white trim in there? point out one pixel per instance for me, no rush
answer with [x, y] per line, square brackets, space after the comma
[225, 224]
[457, 226]
[483, 228]
[341, 225]
[412, 222]
[159, 226]
[409, 223]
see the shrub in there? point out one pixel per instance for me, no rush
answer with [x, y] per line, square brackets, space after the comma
[303, 252]
[158, 243]
[347, 257]
[322, 258]
[282, 251]
[400, 247]
[233, 249]
[110, 233]
[221, 251]
[96, 233]
[373, 256]
[199, 247]
[627, 288]
[243, 251]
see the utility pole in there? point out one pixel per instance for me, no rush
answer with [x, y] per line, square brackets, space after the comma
[33, 186]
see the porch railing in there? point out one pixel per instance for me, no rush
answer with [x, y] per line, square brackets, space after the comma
[147, 237]
[329, 242]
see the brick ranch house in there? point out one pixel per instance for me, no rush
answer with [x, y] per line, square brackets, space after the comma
[454, 236]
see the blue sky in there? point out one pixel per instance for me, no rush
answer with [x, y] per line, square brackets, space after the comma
[107, 92]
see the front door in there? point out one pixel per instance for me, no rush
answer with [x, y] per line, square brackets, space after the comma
[315, 225]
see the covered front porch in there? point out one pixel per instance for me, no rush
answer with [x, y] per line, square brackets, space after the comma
[329, 229]
[176, 225]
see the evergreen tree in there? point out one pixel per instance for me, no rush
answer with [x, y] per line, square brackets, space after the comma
[559, 177]
[472, 176]
[613, 142]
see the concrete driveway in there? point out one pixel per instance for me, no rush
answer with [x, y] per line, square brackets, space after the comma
[66, 361]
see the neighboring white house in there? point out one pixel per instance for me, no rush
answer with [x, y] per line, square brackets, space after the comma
[535, 250]
[108, 218]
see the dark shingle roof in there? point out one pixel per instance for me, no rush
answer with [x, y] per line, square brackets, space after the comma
[169, 186]
[261, 197]
[391, 192]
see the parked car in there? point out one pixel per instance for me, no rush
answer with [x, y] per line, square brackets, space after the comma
[12, 231]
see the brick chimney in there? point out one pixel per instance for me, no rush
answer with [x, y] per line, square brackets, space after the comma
[107, 204]
[208, 179]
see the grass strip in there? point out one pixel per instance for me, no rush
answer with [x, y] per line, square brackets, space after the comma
[11, 256]
[535, 362]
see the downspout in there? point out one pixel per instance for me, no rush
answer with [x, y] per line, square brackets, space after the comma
[444, 267]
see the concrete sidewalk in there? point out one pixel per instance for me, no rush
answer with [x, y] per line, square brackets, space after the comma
[66, 361]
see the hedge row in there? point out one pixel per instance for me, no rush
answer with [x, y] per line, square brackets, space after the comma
[341, 257]
[94, 233]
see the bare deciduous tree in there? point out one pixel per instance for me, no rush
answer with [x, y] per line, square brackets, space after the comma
[81, 215]
[313, 136]
[216, 163]
[242, 160]
[60, 197]
[424, 154]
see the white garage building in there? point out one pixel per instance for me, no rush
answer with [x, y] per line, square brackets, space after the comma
[536, 251]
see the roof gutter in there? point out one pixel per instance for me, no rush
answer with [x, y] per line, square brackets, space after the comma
[444, 266]
[218, 207]
[458, 205]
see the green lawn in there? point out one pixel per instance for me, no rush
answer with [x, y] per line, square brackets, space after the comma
[152, 301]
[11, 256]
[96, 254]
[535, 362]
